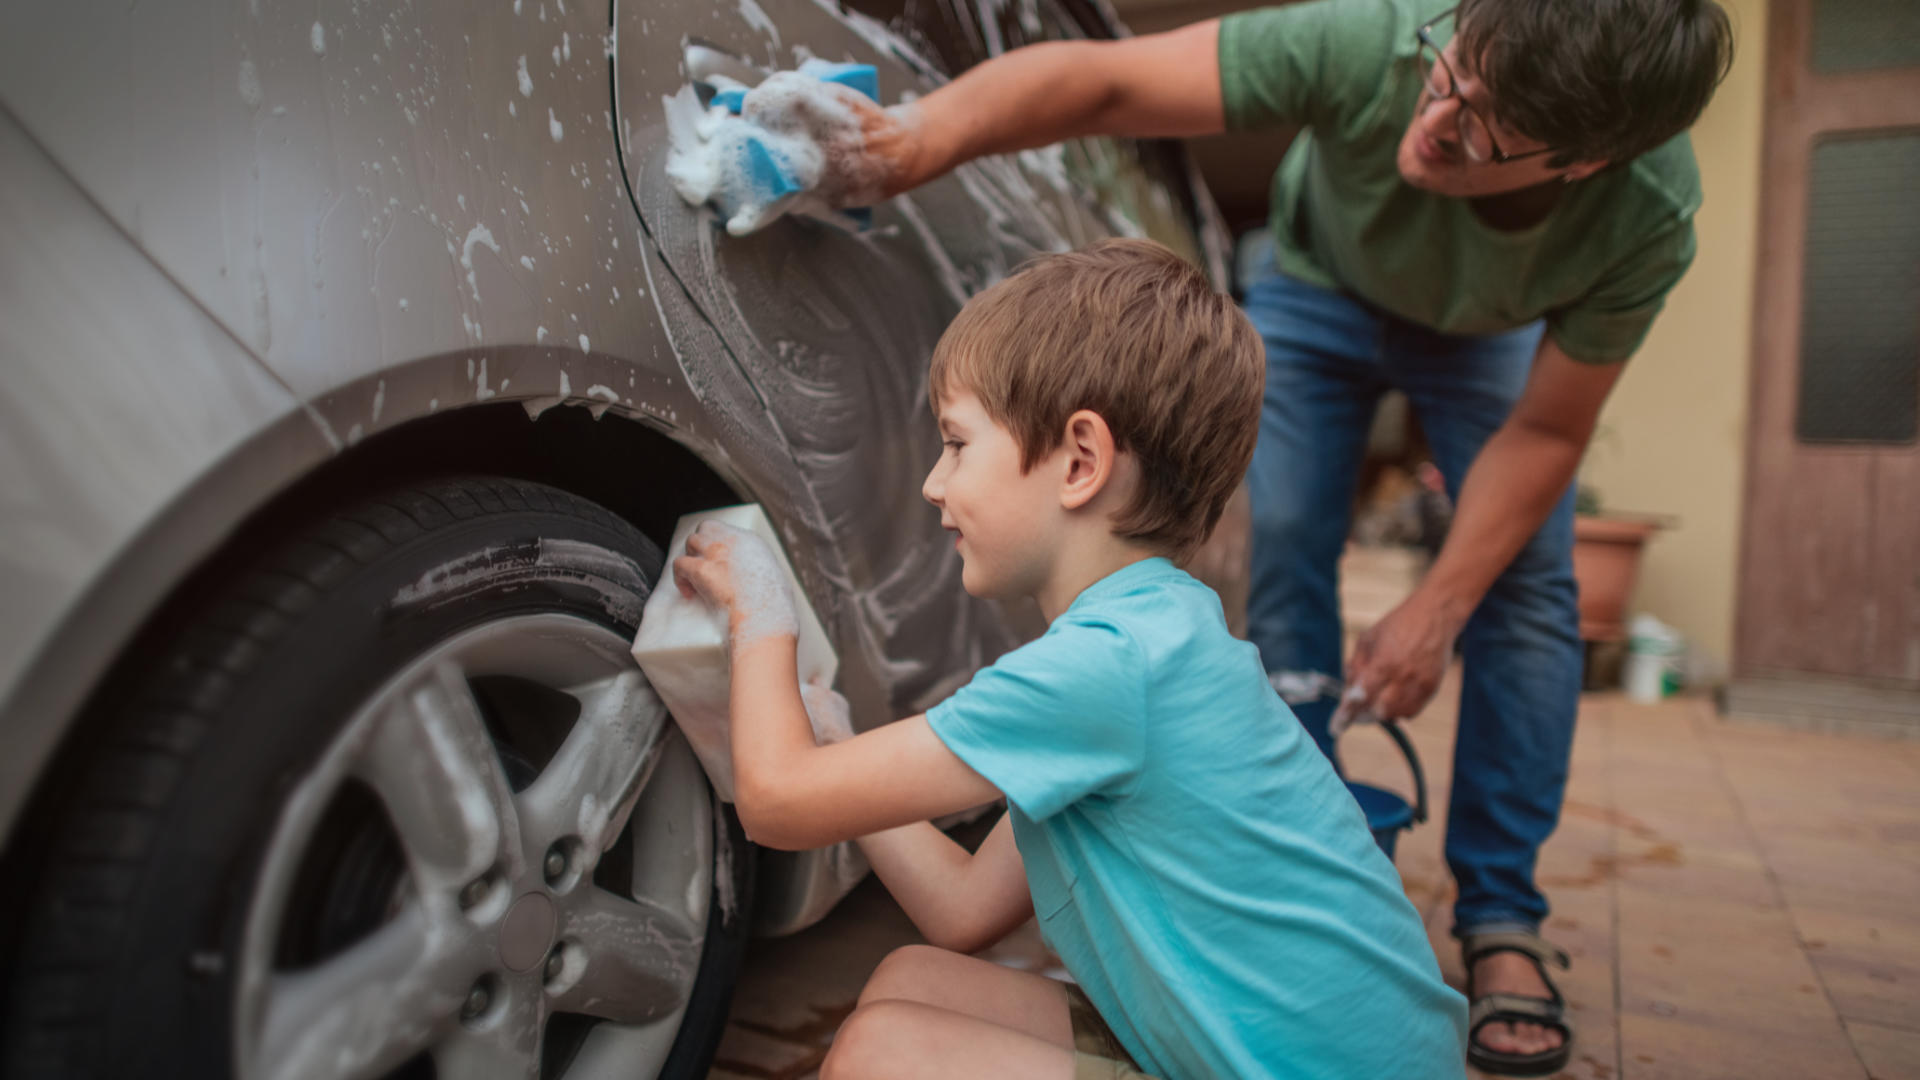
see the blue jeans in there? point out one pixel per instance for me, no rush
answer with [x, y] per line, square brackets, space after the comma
[1329, 358]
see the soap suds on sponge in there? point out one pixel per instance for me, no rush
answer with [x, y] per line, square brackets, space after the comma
[808, 129]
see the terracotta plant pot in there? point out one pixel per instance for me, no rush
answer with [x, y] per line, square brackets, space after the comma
[1606, 559]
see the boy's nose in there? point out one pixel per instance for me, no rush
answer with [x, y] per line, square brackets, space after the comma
[934, 488]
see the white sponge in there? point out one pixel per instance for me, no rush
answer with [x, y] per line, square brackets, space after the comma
[682, 646]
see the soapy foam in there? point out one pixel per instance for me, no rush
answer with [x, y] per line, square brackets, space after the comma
[682, 647]
[1307, 687]
[762, 600]
[757, 17]
[811, 127]
[832, 719]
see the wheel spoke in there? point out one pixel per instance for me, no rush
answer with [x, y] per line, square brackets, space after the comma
[368, 1009]
[641, 958]
[503, 1045]
[589, 788]
[433, 764]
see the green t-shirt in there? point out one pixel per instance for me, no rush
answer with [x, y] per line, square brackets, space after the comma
[1598, 268]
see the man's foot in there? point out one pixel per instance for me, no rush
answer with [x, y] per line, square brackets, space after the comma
[1514, 973]
[1517, 1024]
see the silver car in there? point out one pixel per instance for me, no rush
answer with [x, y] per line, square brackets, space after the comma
[358, 359]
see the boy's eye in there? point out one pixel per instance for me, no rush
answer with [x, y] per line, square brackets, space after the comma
[953, 444]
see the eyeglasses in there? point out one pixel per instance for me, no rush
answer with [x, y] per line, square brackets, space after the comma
[1475, 137]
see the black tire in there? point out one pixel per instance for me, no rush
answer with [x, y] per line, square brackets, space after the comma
[142, 892]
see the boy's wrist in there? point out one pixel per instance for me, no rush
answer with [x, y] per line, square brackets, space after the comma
[747, 649]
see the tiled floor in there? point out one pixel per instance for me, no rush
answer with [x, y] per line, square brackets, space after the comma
[1739, 901]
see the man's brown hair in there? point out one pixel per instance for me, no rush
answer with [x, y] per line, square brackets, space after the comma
[1137, 334]
[1597, 80]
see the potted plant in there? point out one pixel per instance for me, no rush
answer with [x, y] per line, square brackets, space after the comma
[1606, 561]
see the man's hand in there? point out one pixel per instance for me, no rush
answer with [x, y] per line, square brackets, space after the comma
[1521, 472]
[799, 142]
[1399, 662]
[865, 149]
[733, 570]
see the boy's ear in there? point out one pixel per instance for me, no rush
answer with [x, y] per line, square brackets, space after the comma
[1090, 453]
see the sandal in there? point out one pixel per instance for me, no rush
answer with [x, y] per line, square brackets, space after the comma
[1514, 1008]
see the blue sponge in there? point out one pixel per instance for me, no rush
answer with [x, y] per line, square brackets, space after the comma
[862, 77]
[767, 168]
[769, 172]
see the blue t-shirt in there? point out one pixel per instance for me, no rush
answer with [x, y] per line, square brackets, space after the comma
[1194, 860]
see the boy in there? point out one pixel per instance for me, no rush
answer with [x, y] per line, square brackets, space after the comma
[1201, 872]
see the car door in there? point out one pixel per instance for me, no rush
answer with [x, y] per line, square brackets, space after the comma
[835, 328]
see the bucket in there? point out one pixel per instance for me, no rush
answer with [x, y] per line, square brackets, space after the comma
[1388, 813]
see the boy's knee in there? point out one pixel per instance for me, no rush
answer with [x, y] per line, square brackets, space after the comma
[903, 974]
[873, 1042]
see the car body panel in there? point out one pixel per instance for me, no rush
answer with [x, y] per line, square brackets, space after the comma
[384, 309]
[835, 327]
[116, 397]
[237, 241]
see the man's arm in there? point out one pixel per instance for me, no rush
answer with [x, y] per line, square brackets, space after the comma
[1521, 472]
[958, 901]
[1159, 85]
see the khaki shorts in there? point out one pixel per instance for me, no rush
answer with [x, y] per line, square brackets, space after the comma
[1097, 1054]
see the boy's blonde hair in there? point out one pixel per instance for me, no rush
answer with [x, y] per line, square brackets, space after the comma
[1135, 333]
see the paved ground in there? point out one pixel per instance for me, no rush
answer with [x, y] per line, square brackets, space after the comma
[1739, 901]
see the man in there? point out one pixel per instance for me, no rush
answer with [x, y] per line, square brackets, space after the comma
[1486, 210]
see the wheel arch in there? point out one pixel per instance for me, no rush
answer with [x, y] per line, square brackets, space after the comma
[632, 468]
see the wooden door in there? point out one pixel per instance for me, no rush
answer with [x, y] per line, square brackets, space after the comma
[1830, 574]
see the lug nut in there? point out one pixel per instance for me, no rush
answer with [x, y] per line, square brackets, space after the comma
[556, 867]
[556, 962]
[478, 999]
[474, 892]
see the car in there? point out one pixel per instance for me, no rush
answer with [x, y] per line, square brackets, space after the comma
[359, 360]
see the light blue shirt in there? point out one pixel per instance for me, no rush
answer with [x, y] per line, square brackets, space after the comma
[1193, 859]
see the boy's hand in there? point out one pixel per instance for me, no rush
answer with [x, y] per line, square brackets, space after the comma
[735, 571]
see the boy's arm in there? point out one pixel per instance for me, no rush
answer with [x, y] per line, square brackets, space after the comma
[958, 901]
[791, 794]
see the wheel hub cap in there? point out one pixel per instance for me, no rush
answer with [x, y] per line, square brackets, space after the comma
[527, 932]
[474, 928]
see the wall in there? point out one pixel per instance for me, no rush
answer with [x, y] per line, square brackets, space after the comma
[1673, 437]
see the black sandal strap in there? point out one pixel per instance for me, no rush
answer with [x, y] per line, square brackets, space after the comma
[1512, 1008]
[1479, 946]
